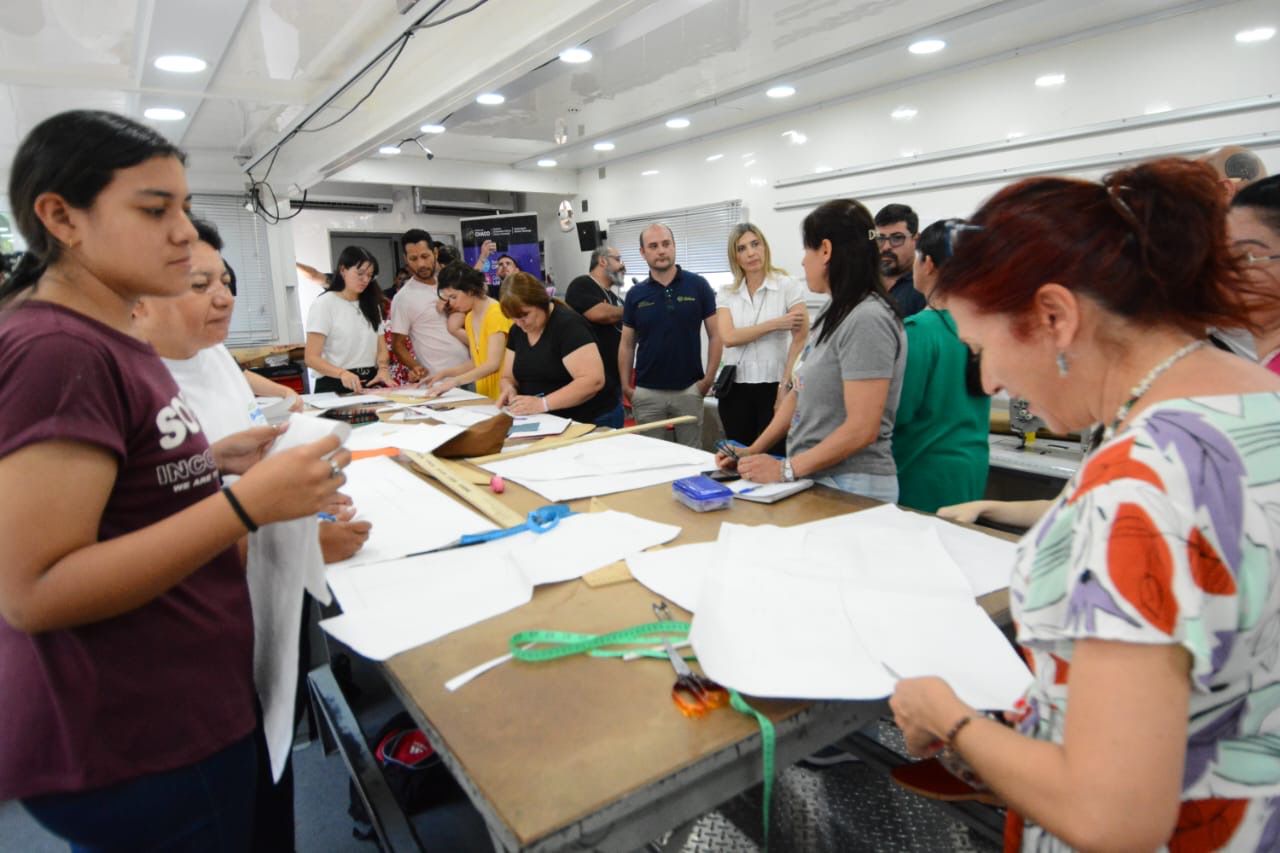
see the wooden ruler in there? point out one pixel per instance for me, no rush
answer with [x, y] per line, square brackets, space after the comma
[478, 496]
[565, 442]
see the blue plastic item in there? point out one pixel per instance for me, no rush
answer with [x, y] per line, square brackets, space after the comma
[701, 493]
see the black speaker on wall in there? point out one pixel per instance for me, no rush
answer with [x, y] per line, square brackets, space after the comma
[588, 235]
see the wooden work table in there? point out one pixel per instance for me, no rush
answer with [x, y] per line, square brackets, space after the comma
[586, 752]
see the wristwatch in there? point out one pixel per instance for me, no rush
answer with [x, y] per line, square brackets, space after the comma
[788, 476]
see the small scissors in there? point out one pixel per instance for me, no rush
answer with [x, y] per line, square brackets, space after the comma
[693, 694]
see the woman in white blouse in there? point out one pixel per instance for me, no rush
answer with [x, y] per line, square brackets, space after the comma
[764, 325]
[345, 344]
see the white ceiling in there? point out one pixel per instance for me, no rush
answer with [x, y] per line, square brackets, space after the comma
[271, 63]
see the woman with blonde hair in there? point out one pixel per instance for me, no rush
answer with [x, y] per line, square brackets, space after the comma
[553, 361]
[764, 324]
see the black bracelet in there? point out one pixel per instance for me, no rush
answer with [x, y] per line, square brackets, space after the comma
[235, 504]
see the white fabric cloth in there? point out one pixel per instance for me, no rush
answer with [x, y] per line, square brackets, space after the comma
[284, 558]
[414, 313]
[765, 358]
[349, 340]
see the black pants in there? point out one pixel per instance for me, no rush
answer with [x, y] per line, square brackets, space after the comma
[333, 383]
[747, 409]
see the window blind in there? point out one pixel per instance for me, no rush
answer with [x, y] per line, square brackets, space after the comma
[702, 237]
[244, 238]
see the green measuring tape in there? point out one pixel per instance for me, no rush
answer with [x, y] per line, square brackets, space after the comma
[542, 646]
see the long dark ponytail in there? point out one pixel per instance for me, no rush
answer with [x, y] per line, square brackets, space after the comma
[74, 154]
[854, 268]
[370, 300]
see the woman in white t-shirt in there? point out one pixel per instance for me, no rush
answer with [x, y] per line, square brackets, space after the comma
[344, 340]
[764, 325]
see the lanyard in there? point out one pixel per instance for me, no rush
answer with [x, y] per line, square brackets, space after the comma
[560, 644]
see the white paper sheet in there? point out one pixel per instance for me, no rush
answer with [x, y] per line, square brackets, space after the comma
[767, 493]
[675, 573]
[463, 416]
[408, 515]
[422, 438]
[585, 542]
[522, 426]
[453, 395]
[332, 400]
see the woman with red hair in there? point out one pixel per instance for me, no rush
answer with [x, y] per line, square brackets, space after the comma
[1147, 598]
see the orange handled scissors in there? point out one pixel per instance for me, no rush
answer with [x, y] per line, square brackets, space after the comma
[693, 694]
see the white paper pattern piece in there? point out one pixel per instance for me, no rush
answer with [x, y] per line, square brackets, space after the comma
[675, 573]
[603, 466]
[408, 515]
[846, 598]
[393, 606]
[422, 438]
[333, 400]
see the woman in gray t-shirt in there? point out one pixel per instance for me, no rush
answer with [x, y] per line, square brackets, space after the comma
[838, 418]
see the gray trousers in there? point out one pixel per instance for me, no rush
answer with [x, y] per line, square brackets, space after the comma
[652, 404]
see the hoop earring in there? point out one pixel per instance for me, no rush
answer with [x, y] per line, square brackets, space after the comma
[1062, 363]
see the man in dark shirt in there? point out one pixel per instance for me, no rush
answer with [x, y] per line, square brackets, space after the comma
[593, 297]
[662, 320]
[897, 226]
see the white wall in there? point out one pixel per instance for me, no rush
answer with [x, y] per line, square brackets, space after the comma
[1188, 61]
[563, 260]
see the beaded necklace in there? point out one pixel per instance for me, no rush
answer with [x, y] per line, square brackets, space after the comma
[1145, 385]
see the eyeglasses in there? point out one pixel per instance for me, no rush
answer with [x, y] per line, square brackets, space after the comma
[896, 239]
[1251, 258]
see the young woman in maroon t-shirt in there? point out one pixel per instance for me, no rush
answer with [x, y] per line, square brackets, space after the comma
[125, 630]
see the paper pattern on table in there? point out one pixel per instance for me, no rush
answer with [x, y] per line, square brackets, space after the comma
[453, 395]
[422, 438]
[333, 400]
[766, 493]
[398, 604]
[408, 515]
[676, 574]
[844, 597]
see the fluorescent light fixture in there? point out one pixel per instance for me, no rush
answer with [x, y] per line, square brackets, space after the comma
[490, 99]
[926, 46]
[389, 149]
[576, 55]
[795, 137]
[714, 157]
[748, 155]
[677, 123]
[904, 113]
[1014, 134]
[910, 152]
[748, 164]
[432, 128]
[181, 64]
[1156, 109]
[1045, 81]
[604, 146]
[164, 114]
[822, 168]
[649, 173]
[781, 91]
[759, 182]
[1255, 35]
[547, 163]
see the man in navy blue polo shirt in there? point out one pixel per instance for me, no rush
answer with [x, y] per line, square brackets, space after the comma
[662, 320]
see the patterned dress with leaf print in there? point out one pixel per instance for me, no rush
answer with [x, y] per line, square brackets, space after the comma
[1170, 533]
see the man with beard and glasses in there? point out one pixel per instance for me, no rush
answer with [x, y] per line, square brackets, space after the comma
[593, 297]
[420, 318]
[897, 226]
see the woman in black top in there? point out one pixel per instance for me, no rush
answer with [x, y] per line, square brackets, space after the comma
[552, 363]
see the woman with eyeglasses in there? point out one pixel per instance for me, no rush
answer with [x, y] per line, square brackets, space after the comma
[126, 637]
[463, 289]
[1147, 598]
[944, 417]
[345, 341]
[764, 324]
[1254, 225]
[838, 418]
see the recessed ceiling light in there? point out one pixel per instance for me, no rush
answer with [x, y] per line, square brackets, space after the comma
[904, 113]
[546, 163]
[748, 163]
[164, 114]
[822, 168]
[748, 154]
[649, 173]
[490, 99]
[926, 46]
[714, 157]
[576, 55]
[910, 152]
[432, 128]
[795, 137]
[677, 123]
[1255, 35]
[1155, 109]
[181, 64]
[782, 91]
[1044, 81]
[389, 149]
[603, 146]
[759, 182]
[1014, 134]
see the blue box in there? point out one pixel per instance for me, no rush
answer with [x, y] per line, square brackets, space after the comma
[701, 493]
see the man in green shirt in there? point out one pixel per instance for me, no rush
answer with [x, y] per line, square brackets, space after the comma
[940, 435]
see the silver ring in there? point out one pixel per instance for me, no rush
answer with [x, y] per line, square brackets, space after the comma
[335, 468]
